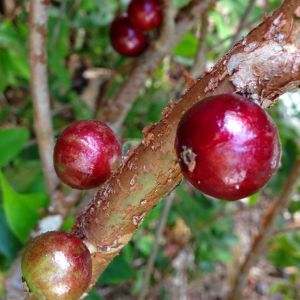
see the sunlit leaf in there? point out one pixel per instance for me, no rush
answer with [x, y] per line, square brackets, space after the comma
[21, 210]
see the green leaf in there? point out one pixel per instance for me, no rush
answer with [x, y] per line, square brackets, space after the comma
[284, 250]
[117, 272]
[12, 141]
[93, 295]
[23, 174]
[9, 245]
[22, 211]
[144, 244]
[187, 47]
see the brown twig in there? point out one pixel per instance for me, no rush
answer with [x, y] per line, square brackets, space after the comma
[220, 42]
[263, 66]
[154, 251]
[265, 233]
[39, 90]
[58, 24]
[41, 104]
[243, 21]
[200, 60]
[114, 110]
[288, 228]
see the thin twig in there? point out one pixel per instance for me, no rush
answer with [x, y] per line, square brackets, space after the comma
[158, 234]
[39, 90]
[220, 42]
[265, 233]
[57, 27]
[200, 60]
[243, 21]
[288, 228]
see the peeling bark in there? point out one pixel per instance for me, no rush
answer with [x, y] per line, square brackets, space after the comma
[151, 170]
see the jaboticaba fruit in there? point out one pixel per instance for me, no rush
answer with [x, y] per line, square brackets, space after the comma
[85, 154]
[56, 265]
[145, 14]
[125, 38]
[228, 147]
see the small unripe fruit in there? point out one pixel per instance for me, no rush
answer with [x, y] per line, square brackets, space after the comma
[228, 147]
[56, 265]
[85, 153]
[125, 38]
[145, 14]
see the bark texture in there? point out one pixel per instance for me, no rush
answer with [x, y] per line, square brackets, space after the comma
[262, 66]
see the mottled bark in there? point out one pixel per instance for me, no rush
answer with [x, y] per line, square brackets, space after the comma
[262, 66]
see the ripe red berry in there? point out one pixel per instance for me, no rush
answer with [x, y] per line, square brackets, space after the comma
[126, 39]
[228, 147]
[85, 154]
[145, 14]
[57, 265]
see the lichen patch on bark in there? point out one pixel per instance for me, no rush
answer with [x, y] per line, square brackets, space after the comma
[252, 72]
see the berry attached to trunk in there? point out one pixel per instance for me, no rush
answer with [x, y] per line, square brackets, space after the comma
[85, 153]
[57, 265]
[228, 147]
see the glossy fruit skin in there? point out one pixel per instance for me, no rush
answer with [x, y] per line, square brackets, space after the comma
[145, 14]
[125, 38]
[85, 153]
[228, 147]
[57, 265]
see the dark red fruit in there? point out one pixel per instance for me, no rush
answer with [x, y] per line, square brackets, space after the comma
[145, 14]
[57, 265]
[228, 147]
[126, 39]
[85, 154]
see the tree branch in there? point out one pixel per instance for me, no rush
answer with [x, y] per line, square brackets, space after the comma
[243, 21]
[288, 228]
[39, 90]
[263, 65]
[114, 110]
[266, 232]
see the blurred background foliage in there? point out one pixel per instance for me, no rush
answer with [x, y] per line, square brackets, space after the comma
[77, 42]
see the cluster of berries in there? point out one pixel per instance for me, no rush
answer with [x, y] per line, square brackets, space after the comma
[127, 31]
[227, 147]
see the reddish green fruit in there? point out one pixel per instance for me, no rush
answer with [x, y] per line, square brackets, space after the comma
[145, 14]
[57, 265]
[125, 38]
[228, 147]
[85, 153]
